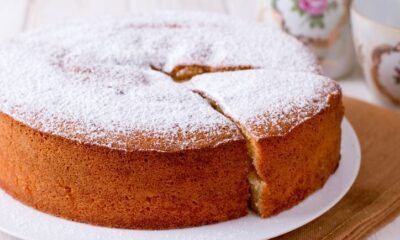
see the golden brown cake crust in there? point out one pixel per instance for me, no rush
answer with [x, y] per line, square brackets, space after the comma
[97, 185]
[295, 165]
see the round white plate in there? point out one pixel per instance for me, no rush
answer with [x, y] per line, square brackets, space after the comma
[26, 223]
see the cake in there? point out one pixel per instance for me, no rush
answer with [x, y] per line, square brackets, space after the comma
[164, 121]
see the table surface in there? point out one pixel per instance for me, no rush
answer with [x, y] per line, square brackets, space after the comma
[21, 15]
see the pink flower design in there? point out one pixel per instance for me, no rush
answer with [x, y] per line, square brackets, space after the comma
[313, 7]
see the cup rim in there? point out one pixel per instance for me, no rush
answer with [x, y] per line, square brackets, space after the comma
[354, 10]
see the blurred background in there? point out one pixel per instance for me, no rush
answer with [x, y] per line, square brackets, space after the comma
[19, 15]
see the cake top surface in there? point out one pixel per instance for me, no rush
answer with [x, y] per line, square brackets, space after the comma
[273, 102]
[94, 81]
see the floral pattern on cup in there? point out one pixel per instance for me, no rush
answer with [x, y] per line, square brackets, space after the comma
[315, 22]
[313, 7]
[313, 10]
[385, 71]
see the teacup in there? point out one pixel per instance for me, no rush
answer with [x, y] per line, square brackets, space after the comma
[376, 34]
[323, 25]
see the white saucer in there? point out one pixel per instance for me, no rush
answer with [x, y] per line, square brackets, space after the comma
[26, 223]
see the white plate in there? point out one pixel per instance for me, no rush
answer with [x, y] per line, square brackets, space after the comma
[26, 223]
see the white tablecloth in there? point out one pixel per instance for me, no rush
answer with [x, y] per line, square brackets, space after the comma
[19, 15]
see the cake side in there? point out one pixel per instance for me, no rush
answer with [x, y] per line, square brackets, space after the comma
[291, 167]
[108, 187]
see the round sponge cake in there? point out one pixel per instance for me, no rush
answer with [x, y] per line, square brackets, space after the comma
[97, 126]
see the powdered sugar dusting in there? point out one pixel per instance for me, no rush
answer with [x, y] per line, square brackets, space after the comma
[107, 105]
[267, 103]
[93, 82]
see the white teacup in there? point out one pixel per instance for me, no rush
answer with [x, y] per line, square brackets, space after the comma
[376, 34]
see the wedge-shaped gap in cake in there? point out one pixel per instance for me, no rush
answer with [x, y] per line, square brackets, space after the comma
[256, 185]
[292, 125]
[183, 73]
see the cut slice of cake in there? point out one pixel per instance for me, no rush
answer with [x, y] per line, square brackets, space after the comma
[292, 124]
